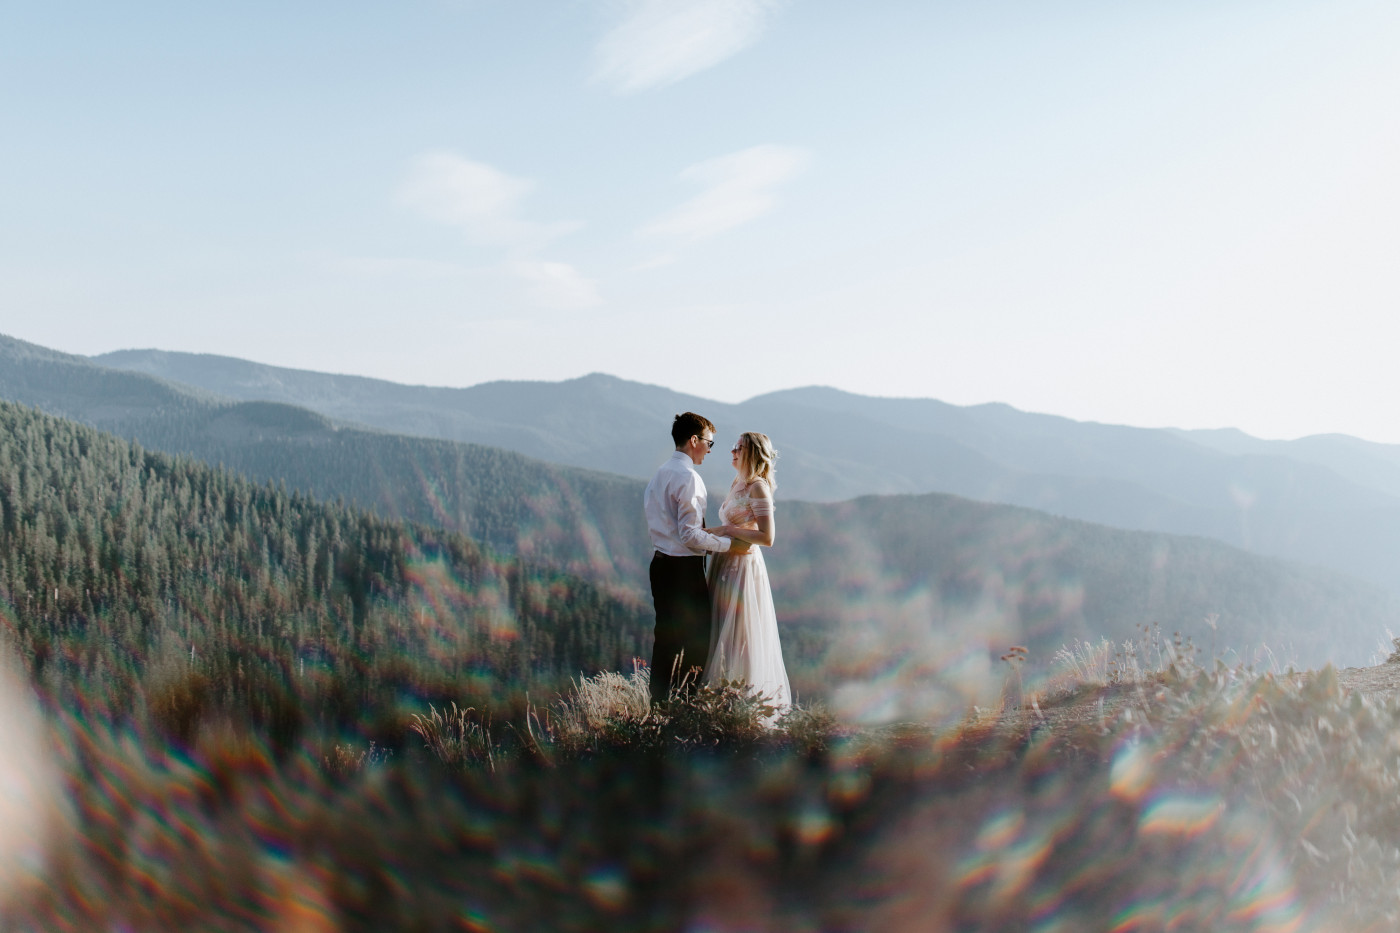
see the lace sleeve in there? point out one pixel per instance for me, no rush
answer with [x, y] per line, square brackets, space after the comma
[761, 507]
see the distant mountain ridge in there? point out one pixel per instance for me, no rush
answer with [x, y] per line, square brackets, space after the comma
[1331, 501]
[906, 585]
[1364, 462]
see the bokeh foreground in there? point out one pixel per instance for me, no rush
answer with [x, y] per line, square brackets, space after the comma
[1209, 801]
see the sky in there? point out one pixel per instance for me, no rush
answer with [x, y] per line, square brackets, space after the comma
[1160, 213]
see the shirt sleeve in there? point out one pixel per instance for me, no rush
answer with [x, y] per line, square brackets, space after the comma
[689, 519]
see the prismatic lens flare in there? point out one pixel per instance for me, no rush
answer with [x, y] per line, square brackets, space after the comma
[31, 806]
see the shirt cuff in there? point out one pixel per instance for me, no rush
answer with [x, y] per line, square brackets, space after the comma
[728, 542]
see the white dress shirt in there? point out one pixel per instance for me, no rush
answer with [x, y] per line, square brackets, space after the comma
[675, 507]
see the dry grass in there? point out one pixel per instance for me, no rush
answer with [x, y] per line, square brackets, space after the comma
[344, 760]
[609, 704]
[459, 737]
[1318, 761]
[1147, 658]
[613, 711]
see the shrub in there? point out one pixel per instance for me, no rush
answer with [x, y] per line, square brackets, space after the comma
[724, 712]
[808, 728]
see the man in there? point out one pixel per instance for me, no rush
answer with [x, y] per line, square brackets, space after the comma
[675, 511]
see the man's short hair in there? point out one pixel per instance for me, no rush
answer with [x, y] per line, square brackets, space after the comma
[688, 423]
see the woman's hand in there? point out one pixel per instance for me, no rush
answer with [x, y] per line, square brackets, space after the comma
[723, 531]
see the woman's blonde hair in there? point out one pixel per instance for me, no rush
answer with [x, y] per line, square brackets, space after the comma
[757, 458]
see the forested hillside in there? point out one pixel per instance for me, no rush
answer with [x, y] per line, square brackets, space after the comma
[133, 579]
[580, 520]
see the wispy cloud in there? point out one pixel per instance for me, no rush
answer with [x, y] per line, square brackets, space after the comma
[658, 42]
[556, 285]
[482, 201]
[385, 266]
[656, 262]
[737, 188]
[485, 204]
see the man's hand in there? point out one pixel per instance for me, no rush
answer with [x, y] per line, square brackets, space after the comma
[739, 546]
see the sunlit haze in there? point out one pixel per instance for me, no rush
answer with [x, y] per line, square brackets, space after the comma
[1154, 214]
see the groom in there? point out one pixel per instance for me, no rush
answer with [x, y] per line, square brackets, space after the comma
[675, 511]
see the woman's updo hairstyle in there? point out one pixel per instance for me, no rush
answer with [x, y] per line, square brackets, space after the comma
[757, 458]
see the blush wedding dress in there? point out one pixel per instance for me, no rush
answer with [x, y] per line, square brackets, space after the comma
[744, 643]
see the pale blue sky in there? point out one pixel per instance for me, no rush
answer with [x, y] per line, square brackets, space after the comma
[1174, 213]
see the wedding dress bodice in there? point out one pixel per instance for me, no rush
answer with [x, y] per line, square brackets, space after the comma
[742, 509]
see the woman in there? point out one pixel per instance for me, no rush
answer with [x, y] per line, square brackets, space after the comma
[743, 626]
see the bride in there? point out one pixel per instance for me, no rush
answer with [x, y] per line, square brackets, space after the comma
[743, 626]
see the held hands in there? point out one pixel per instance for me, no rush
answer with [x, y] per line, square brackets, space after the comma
[736, 545]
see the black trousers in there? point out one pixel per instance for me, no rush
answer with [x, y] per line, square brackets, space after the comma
[682, 600]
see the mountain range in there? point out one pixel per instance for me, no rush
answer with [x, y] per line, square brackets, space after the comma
[1329, 500]
[875, 592]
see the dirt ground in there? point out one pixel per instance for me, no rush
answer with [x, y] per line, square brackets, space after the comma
[1106, 702]
[1381, 680]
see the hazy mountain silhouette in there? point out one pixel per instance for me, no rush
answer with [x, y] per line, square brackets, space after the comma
[1364, 462]
[1332, 501]
[896, 577]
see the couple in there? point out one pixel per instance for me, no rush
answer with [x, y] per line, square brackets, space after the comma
[725, 626]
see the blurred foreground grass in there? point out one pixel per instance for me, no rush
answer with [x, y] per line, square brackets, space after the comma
[1215, 800]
